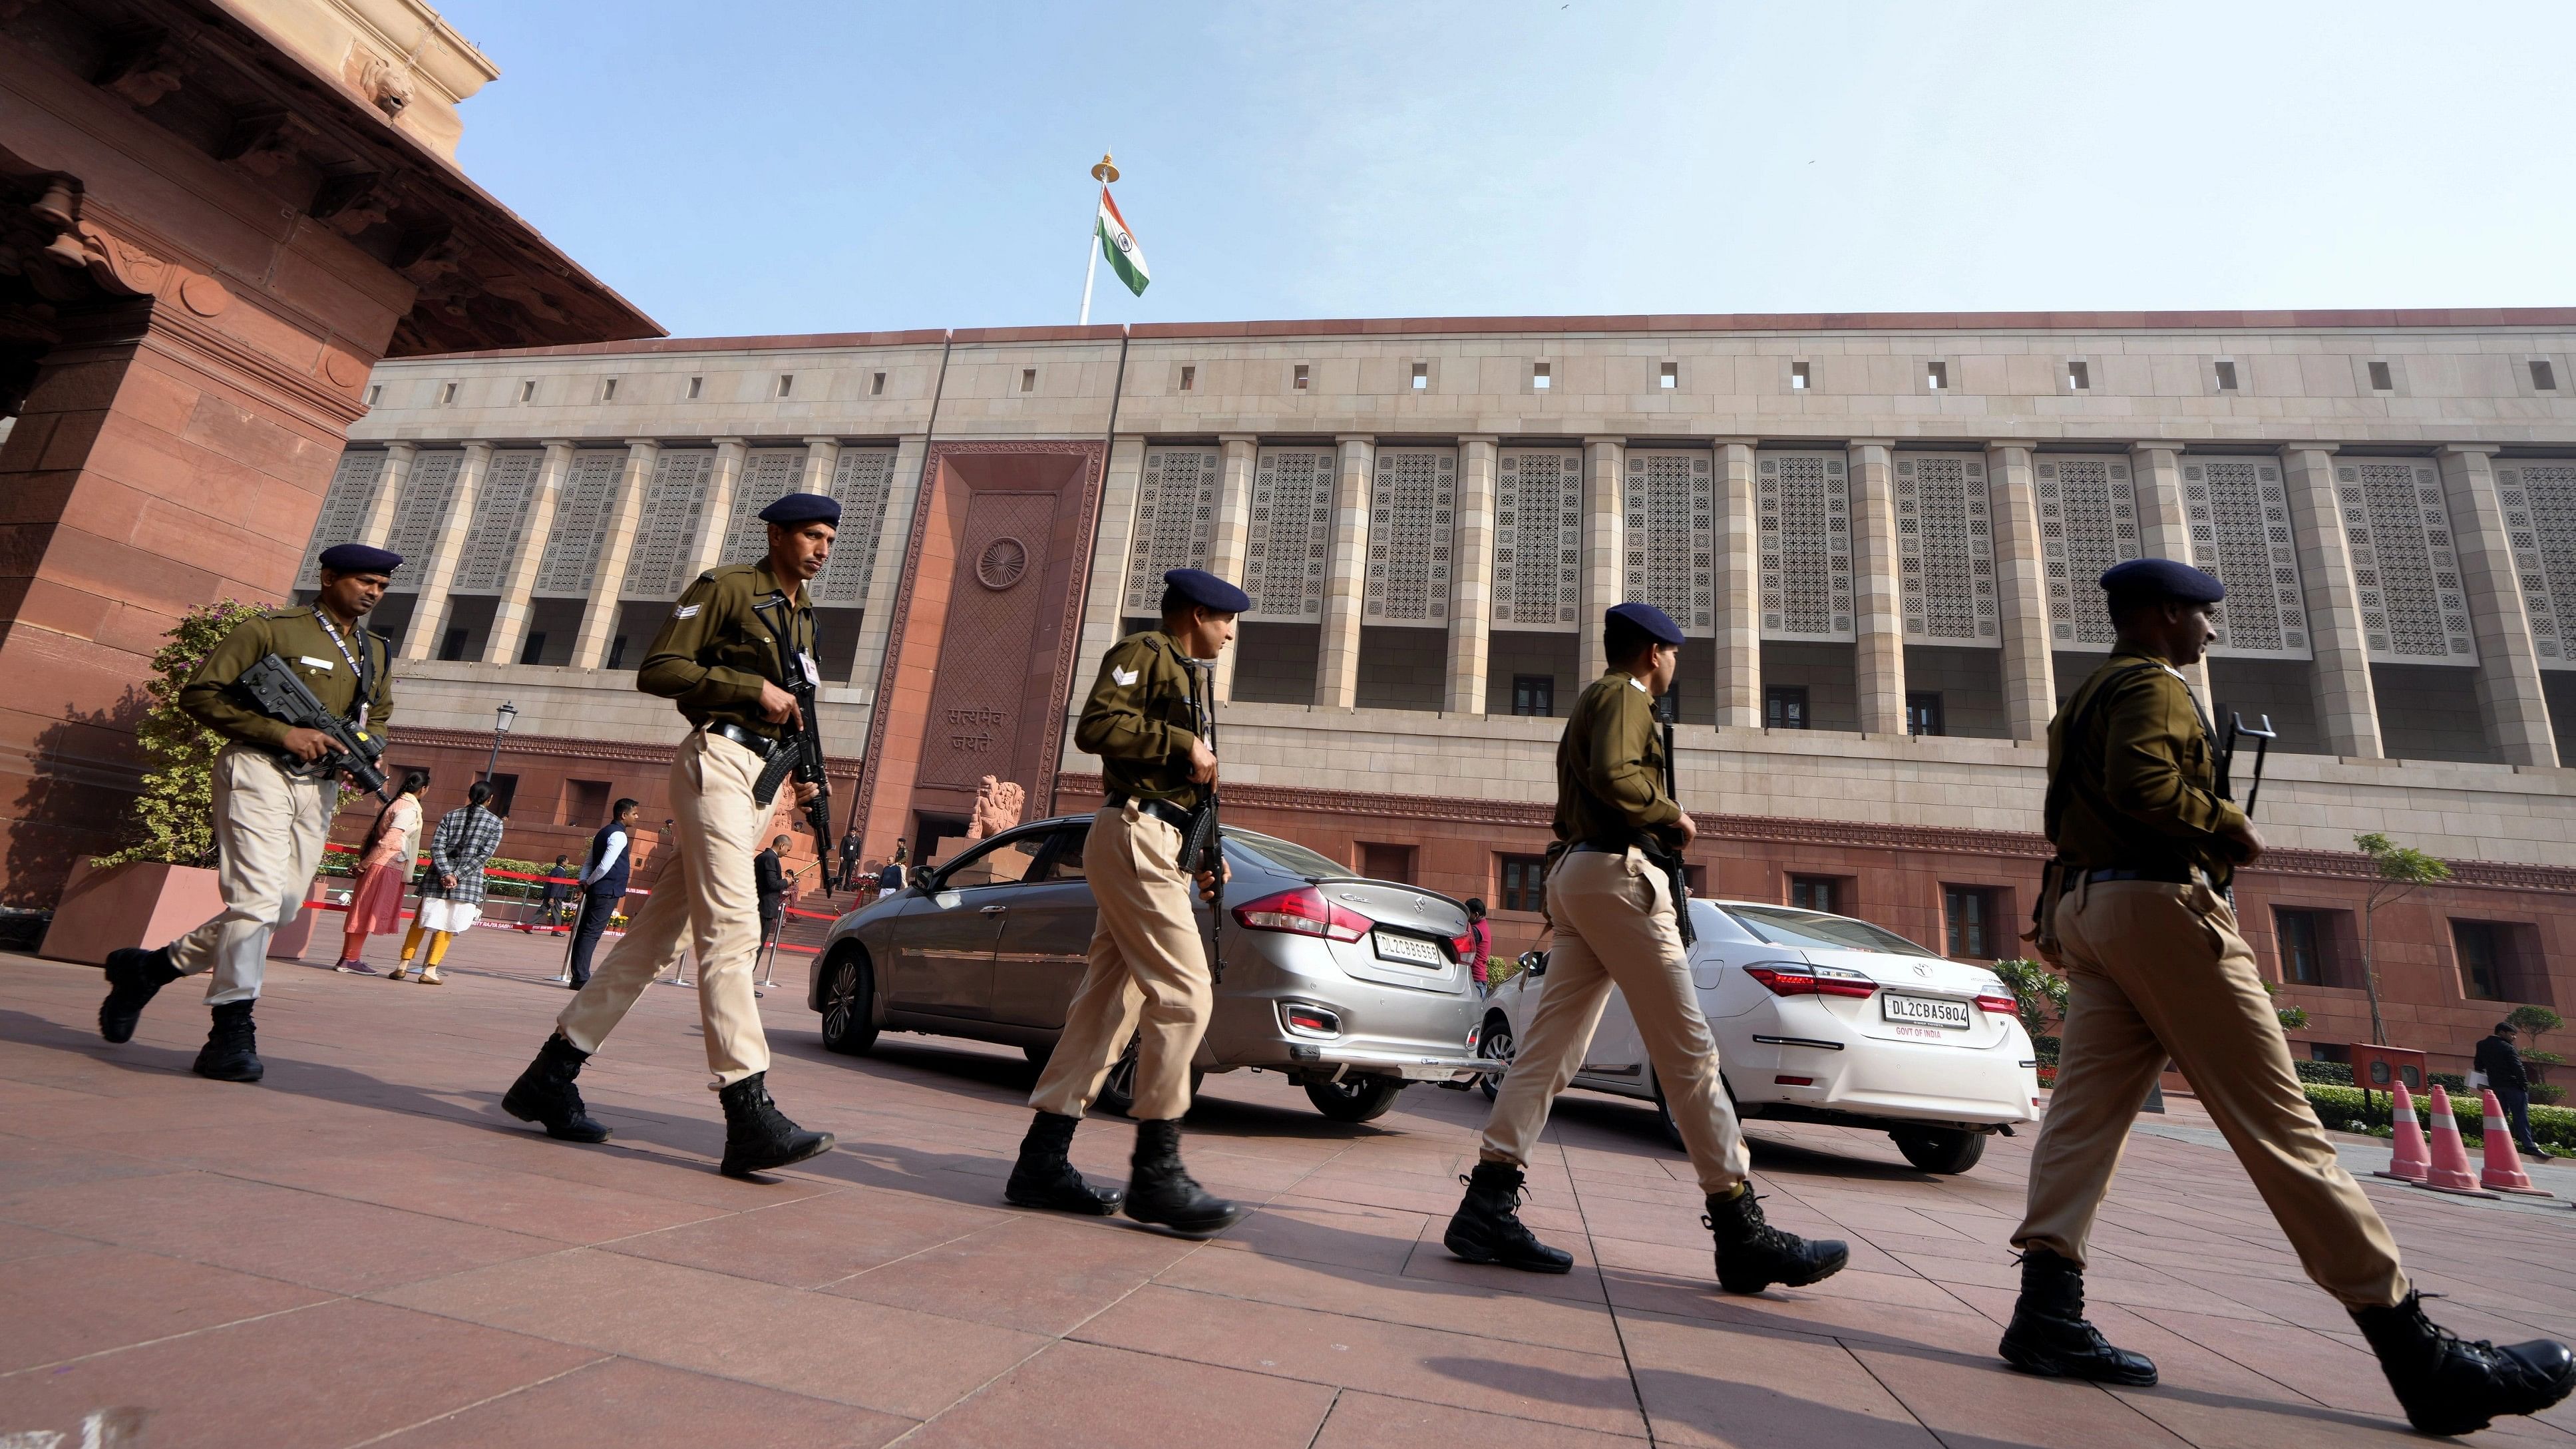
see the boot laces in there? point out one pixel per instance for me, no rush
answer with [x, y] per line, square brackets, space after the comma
[1762, 1235]
[1509, 1226]
[2445, 1340]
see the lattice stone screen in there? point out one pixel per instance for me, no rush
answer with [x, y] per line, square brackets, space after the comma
[2088, 521]
[1802, 506]
[2238, 511]
[428, 491]
[1175, 521]
[1538, 538]
[1292, 526]
[2414, 609]
[344, 510]
[500, 520]
[860, 479]
[1945, 550]
[1413, 512]
[657, 566]
[768, 475]
[581, 524]
[2539, 497]
[1668, 503]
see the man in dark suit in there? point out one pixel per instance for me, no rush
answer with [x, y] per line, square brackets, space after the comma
[2501, 1062]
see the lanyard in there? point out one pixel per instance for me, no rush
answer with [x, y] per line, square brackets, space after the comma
[357, 666]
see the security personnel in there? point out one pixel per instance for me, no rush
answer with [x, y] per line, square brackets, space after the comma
[1147, 956]
[269, 825]
[733, 642]
[1613, 914]
[2135, 914]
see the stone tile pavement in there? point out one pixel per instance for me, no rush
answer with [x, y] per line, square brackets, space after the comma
[364, 1250]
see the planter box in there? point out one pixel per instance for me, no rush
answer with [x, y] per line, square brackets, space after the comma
[291, 939]
[128, 905]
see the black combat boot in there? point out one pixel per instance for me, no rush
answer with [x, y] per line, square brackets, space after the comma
[1045, 1178]
[231, 1052]
[758, 1137]
[134, 977]
[1752, 1255]
[2049, 1336]
[545, 1093]
[2450, 1387]
[1159, 1191]
[1487, 1227]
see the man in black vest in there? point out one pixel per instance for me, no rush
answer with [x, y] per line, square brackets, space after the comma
[603, 885]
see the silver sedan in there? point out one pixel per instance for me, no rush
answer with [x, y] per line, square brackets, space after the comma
[1353, 988]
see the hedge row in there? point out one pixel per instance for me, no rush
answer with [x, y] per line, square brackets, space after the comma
[2339, 1107]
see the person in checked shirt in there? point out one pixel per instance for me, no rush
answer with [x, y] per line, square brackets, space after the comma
[451, 896]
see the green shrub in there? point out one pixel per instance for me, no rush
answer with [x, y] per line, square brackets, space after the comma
[2045, 1049]
[2325, 1074]
[2552, 1127]
[172, 821]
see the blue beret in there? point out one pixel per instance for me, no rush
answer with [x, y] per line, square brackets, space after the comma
[798, 508]
[1654, 623]
[1207, 590]
[2162, 578]
[359, 558]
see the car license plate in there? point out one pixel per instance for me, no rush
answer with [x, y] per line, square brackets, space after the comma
[1924, 1011]
[1411, 950]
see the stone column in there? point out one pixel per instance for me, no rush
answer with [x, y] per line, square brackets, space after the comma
[725, 474]
[1738, 684]
[822, 456]
[447, 548]
[1471, 590]
[2339, 677]
[1337, 655]
[2030, 672]
[2164, 531]
[616, 543]
[1878, 605]
[894, 549]
[2509, 691]
[1105, 605]
[1601, 576]
[1230, 541]
[519, 583]
[379, 526]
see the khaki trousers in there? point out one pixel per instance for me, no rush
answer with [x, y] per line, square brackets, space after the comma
[705, 892]
[2158, 970]
[1146, 958]
[1615, 927]
[269, 826]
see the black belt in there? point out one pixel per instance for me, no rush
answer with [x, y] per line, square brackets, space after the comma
[1163, 810]
[2169, 875]
[1595, 847]
[759, 745]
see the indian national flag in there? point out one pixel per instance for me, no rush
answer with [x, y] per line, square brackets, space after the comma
[1125, 257]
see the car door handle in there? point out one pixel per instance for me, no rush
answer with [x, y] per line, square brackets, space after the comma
[992, 910]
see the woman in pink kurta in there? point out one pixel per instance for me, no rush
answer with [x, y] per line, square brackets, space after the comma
[384, 873]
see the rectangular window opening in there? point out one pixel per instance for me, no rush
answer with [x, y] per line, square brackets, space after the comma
[1815, 893]
[1784, 706]
[608, 390]
[2226, 376]
[584, 804]
[534, 648]
[1028, 379]
[1524, 880]
[1421, 376]
[1387, 862]
[2482, 959]
[375, 392]
[452, 647]
[1299, 380]
[528, 391]
[876, 384]
[1969, 914]
[2381, 379]
[1534, 694]
[1923, 712]
[2544, 377]
[617, 652]
[1797, 377]
[1541, 376]
[786, 383]
[1936, 375]
[1189, 379]
[1669, 376]
[2079, 377]
[2303, 937]
[447, 392]
[696, 385]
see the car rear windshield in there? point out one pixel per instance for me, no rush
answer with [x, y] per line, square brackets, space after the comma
[1779, 926]
[1288, 856]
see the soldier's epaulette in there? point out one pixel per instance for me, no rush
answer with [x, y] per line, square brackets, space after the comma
[284, 613]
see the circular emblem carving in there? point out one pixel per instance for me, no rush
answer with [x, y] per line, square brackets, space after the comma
[1002, 563]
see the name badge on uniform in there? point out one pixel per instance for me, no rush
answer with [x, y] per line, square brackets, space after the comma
[813, 674]
[309, 662]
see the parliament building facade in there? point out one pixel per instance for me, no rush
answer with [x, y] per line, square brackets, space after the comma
[1880, 532]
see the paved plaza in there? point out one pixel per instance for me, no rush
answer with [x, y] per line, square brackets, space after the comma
[364, 1250]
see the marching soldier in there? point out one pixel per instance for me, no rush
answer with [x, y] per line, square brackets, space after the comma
[269, 825]
[726, 665]
[1615, 923]
[2137, 916]
[1147, 957]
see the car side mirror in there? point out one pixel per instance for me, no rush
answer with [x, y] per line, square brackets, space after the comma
[1534, 963]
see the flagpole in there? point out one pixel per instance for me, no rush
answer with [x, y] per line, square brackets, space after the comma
[1104, 173]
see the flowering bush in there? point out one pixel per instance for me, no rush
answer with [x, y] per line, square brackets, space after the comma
[172, 821]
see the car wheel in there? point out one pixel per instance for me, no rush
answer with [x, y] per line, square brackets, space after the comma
[849, 998]
[1118, 1088]
[1495, 1044]
[1355, 1099]
[1947, 1150]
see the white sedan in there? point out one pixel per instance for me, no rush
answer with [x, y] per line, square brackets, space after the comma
[1822, 1018]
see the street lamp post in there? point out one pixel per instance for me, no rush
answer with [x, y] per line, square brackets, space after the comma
[500, 726]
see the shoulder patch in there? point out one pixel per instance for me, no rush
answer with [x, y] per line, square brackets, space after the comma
[687, 611]
[1124, 677]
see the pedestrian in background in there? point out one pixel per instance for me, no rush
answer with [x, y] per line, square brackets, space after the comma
[559, 887]
[451, 898]
[384, 873]
[850, 856]
[603, 886]
[769, 878]
[1480, 948]
[890, 879]
[2500, 1062]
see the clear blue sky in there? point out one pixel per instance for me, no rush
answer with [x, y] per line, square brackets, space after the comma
[766, 167]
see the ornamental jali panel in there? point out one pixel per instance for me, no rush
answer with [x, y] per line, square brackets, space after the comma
[500, 519]
[1668, 504]
[1802, 511]
[1945, 550]
[768, 474]
[1175, 521]
[675, 498]
[2088, 521]
[1538, 538]
[2414, 609]
[859, 482]
[2238, 512]
[2539, 498]
[1292, 526]
[1413, 509]
[344, 510]
[581, 524]
[427, 493]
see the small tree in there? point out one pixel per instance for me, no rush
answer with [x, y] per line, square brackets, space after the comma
[2401, 869]
[2535, 1022]
[172, 822]
[2039, 994]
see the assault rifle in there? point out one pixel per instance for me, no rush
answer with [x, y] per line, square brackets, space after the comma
[1202, 845]
[1670, 861]
[2262, 735]
[799, 753]
[270, 686]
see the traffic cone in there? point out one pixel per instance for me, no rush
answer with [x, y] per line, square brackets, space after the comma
[2450, 1169]
[2502, 1170]
[2409, 1163]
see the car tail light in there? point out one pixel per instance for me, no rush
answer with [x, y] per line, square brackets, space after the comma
[1796, 978]
[1999, 1005]
[1793, 1081]
[1302, 911]
[1309, 1020]
[1462, 945]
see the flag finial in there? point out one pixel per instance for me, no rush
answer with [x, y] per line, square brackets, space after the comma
[1106, 171]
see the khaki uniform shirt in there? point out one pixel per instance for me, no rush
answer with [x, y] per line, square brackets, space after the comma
[1610, 768]
[298, 637]
[715, 651]
[1140, 722]
[2133, 776]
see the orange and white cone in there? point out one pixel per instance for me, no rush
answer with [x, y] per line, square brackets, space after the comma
[2450, 1170]
[2410, 1162]
[2502, 1171]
